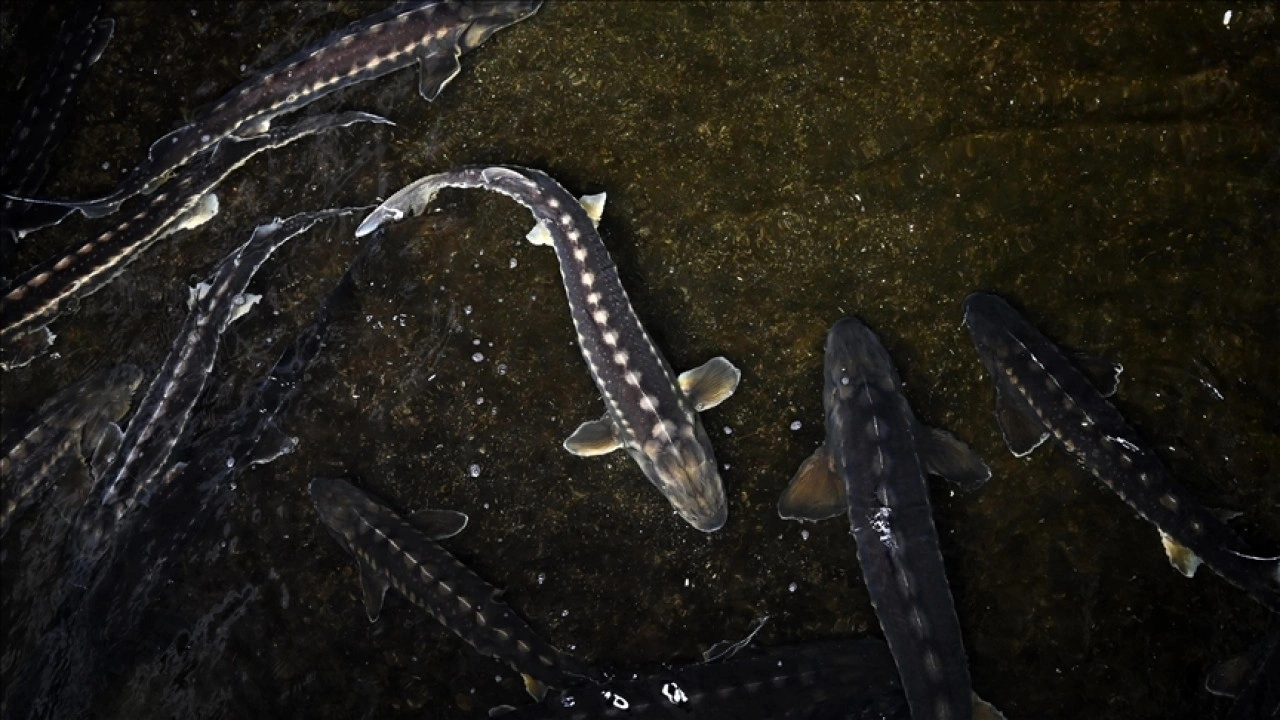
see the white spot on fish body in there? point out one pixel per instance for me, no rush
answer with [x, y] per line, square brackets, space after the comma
[620, 357]
[593, 298]
[633, 379]
[588, 279]
[600, 316]
[611, 338]
[580, 254]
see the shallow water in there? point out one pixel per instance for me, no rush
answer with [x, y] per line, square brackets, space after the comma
[1111, 168]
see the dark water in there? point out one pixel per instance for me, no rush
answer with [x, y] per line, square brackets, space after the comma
[1112, 168]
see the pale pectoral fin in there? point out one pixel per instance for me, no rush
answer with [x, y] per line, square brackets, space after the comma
[374, 587]
[594, 205]
[595, 437]
[539, 235]
[271, 444]
[1021, 433]
[1229, 677]
[204, 211]
[99, 443]
[711, 383]
[435, 71]
[983, 710]
[1104, 375]
[1182, 559]
[943, 455]
[439, 524]
[816, 492]
[534, 687]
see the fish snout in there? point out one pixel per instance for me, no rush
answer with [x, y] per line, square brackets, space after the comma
[691, 484]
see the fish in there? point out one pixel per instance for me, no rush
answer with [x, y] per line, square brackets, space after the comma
[650, 412]
[847, 679]
[82, 39]
[872, 466]
[1041, 394]
[391, 552]
[1251, 679]
[78, 422]
[433, 35]
[48, 290]
[160, 421]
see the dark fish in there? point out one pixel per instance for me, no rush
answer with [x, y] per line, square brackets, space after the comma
[160, 421]
[1252, 681]
[393, 553]
[651, 413]
[44, 120]
[77, 422]
[45, 291]
[873, 466]
[847, 679]
[432, 35]
[1039, 393]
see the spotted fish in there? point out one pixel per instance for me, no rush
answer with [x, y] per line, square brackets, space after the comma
[433, 35]
[46, 291]
[650, 412]
[1040, 394]
[872, 466]
[391, 552]
[847, 679]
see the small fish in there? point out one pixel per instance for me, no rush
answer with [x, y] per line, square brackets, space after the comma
[161, 418]
[433, 35]
[1040, 394]
[847, 679]
[872, 466]
[394, 553]
[650, 412]
[77, 422]
[43, 293]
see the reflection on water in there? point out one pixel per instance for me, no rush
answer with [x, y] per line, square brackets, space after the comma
[770, 167]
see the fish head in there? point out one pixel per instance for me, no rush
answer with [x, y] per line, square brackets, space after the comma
[990, 319]
[854, 356]
[487, 18]
[684, 470]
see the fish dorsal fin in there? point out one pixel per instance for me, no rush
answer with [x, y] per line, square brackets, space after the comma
[711, 383]
[374, 587]
[595, 437]
[945, 456]
[594, 205]
[1181, 558]
[1021, 434]
[99, 443]
[816, 492]
[435, 70]
[439, 524]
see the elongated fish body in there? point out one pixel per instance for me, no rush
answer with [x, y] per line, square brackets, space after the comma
[44, 119]
[45, 291]
[432, 35]
[393, 553]
[77, 422]
[650, 412]
[879, 452]
[161, 418]
[827, 679]
[1039, 394]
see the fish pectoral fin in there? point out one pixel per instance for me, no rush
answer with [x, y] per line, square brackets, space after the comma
[1229, 677]
[439, 524]
[500, 710]
[539, 235]
[374, 587]
[816, 492]
[536, 689]
[711, 383]
[594, 205]
[945, 456]
[99, 442]
[595, 437]
[1104, 375]
[168, 141]
[1182, 559]
[1021, 434]
[272, 443]
[203, 212]
[435, 70]
[983, 710]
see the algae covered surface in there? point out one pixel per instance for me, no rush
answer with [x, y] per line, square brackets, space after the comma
[1110, 168]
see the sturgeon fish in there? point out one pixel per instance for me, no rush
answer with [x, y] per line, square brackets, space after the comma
[77, 422]
[872, 466]
[1039, 393]
[394, 553]
[433, 35]
[848, 679]
[43, 293]
[650, 412]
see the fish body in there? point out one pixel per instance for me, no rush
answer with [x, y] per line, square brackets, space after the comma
[77, 422]
[432, 35]
[847, 679]
[650, 412]
[391, 552]
[46, 291]
[878, 452]
[1041, 394]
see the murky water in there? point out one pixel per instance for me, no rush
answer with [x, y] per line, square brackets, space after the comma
[1112, 168]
